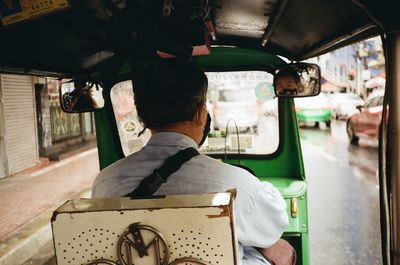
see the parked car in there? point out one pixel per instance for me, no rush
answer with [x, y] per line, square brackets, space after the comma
[345, 104]
[238, 105]
[366, 123]
[313, 109]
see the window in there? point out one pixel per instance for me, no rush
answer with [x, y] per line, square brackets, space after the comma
[327, 65]
[242, 105]
[372, 102]
[244, 100]
[128, 123]
[342, 71]
[380, 101]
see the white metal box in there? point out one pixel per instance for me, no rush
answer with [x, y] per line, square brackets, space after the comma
[179, 229]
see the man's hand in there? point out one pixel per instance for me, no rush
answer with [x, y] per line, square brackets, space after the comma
[280, 253]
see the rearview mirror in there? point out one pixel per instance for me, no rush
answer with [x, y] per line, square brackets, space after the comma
[297, 80]
[80, 96]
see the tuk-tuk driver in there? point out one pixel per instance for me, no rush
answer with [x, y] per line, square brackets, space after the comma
[287, 82]
[170, 98]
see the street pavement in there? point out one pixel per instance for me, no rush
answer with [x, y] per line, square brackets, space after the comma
[28, 199]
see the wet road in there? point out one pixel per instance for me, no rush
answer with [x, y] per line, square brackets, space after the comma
[343, 197]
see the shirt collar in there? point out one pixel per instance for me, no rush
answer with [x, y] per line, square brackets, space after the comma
[171, 139]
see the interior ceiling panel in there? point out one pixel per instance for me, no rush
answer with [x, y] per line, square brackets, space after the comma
[243, 18]
[77, 40]
[55, 43]
[302, 26]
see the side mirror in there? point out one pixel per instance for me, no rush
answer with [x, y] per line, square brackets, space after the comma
[80, 96]
[297, 80]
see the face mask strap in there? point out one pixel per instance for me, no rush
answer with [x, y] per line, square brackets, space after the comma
[206, 129]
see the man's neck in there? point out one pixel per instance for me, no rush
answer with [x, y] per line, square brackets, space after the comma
[185, 128]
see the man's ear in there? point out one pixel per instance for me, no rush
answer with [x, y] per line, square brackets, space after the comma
[198, 115]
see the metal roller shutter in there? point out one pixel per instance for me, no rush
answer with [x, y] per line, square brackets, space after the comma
[20, 134]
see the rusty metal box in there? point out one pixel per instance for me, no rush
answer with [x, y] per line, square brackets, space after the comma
[179, 229]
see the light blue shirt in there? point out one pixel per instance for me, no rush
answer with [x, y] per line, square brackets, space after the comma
[260, 210]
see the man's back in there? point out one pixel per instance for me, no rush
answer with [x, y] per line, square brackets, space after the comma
[260, 210]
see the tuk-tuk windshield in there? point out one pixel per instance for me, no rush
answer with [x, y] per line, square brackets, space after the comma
[242, 105]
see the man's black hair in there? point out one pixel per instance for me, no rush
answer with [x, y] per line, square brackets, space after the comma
[168, 91]
[287, 71]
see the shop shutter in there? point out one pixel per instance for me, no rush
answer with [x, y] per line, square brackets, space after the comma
[20, 134]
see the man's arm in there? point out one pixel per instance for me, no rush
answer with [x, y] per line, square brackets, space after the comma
[261, 216]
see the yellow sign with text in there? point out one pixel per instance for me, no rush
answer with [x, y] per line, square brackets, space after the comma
[12, 11]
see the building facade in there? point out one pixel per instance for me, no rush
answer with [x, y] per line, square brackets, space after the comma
[33, 126]
[348, 69]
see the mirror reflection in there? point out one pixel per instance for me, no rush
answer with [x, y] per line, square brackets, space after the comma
[81, 96]
[297, 80]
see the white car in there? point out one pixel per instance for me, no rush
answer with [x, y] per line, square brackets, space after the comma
[236, 106]
[345, 104]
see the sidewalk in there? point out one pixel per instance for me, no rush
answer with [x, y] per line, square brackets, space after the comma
[28, 199]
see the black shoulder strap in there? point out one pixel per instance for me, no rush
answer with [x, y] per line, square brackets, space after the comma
[149, 185]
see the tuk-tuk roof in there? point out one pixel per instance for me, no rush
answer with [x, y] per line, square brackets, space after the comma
[79, 39]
